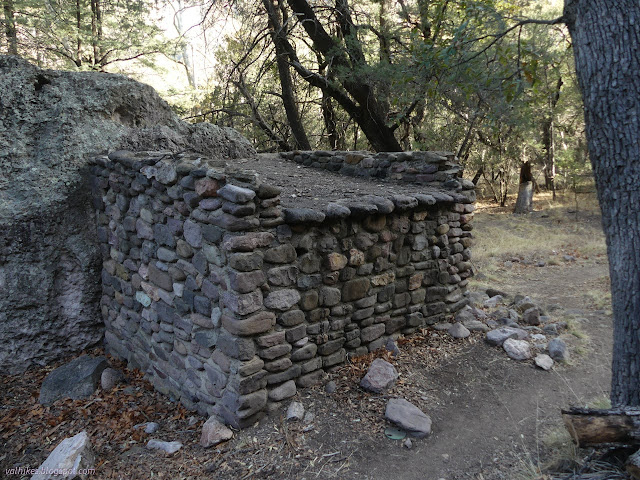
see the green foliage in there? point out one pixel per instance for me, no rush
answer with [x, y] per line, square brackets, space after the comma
[444, 72]
[87, 34]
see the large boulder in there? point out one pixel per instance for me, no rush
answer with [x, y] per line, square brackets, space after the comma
[76, 379]
[51, 124]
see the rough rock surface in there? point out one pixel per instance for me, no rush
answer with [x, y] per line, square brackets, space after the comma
[517, 349]
[110, 378]
[51, 123]
[558, 350]
[543, 361]
[295, 412]
[77, 379]
[167, 447]
[380, 376]
[214, 432]
[458, 330]
[498, 336]
[408, 417]
[72, 453]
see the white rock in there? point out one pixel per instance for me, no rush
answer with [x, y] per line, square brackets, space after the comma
[168, 447]
[517, 349]
[544, 361]
[214, 432]
[295, 412]
[71, 454]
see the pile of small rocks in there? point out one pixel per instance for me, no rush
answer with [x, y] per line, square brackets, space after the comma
[517, 324]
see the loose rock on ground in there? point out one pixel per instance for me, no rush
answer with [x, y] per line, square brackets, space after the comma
[408, 417]
[380, 376]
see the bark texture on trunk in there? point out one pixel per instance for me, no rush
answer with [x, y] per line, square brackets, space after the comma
[606, 44]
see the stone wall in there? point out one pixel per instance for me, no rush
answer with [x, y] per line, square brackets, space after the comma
[230, 302]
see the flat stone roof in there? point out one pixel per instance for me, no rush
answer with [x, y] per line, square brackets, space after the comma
[308, 187]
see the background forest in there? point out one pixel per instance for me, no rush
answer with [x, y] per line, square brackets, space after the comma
[477, 77]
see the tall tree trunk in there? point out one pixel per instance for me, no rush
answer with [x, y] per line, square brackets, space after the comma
[362, 103]
[549, 157]
[548, 141]
[10, 27]
[78, 59]
[278, 35]
[96, 30]
[336, 138]
[524, 202]
[186, 52]
[606, 45]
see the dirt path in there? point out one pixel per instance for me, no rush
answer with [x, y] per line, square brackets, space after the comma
[493, 411]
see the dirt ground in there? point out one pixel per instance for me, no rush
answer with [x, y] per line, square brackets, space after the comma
[490, 414]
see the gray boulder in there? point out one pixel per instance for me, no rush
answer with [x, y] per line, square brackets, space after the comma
[408, 417]
[52, 123]
[545, 362]
[77, 379]
[558, 350]
[380, 376]
[465, 315]
[498, 336]
[458, 330]
[110, 378]
[494, 301]
[476, 326]
[492, 292]
[531, 316]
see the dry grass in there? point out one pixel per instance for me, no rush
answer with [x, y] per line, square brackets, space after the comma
[554, 229]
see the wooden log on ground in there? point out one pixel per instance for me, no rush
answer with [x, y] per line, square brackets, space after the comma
[590, 427]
